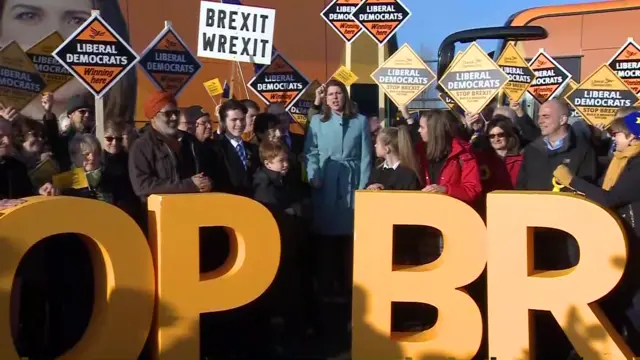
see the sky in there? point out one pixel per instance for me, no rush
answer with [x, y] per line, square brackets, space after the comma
[433, 20]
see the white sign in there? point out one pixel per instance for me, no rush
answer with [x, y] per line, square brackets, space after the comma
[236, 32]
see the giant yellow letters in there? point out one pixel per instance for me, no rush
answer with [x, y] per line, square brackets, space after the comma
[458, 330]
[125, 275]
[253, 263]
[514, 289]
[124, 282]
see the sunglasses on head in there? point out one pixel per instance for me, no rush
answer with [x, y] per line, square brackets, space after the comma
[112, 138]
[499, 136]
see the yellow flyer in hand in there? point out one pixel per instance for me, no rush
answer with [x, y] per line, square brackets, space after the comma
[345, 75]
[74, 179]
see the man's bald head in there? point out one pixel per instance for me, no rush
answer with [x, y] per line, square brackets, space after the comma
[561, 106]
[553, 118]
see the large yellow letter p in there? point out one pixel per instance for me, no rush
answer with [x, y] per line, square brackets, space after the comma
[252, 266]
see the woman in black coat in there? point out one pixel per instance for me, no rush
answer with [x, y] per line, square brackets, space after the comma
[619, 192]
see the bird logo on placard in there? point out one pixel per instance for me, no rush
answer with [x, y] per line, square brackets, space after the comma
[629, 53]
[96, 33]
[542, 62]
[168, 44]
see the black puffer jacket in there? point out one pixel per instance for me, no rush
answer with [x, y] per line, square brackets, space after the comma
[624, 198]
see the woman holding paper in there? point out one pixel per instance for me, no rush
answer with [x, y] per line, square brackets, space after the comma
[619, 192]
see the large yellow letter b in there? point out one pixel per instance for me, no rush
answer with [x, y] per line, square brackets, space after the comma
[458, 330]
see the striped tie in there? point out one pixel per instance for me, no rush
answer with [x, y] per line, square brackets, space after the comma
[242, 154]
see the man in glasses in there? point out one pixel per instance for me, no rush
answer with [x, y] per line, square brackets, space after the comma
[165, 160]
[196, 121]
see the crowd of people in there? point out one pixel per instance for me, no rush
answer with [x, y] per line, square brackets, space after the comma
[308, 182]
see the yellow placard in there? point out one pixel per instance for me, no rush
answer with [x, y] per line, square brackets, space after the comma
[473, 80]
[20, 81]
[73, 179]
[345, 75]
[521, 76]
[446, 99]
[599, 97]
[403, 76]
[214, 88]
[55, 74]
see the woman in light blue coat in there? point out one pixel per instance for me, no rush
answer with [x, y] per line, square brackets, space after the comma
[338, 162]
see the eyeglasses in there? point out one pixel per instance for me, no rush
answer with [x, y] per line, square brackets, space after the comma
[112, 138]
[498, 135]
[170, 113]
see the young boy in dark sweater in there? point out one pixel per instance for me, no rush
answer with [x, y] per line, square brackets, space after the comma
[273, 189]
[269, 182]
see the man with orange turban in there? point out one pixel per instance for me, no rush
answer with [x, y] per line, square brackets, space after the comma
[165, 160]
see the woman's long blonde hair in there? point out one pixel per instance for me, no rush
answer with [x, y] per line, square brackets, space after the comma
[398, 139]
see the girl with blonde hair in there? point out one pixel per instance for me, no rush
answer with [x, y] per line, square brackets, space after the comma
[400, 170]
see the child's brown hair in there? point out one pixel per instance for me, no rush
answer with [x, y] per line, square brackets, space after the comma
[270, 150]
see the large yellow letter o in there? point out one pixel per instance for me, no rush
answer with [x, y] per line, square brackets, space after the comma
[122, 263]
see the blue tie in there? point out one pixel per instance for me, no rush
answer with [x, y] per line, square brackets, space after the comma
[242, 154]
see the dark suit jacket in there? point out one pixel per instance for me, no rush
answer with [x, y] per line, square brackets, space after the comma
[230, 176]
[297, 143]
[296, 164]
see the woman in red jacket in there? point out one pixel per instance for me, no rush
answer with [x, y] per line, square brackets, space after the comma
[447, 163]
[499, 165]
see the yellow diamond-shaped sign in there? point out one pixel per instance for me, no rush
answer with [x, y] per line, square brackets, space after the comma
[567, 90]
[520, 74]
[599, 97]
[20, 81]
[403, 76]
[55, 74]
[473, 79]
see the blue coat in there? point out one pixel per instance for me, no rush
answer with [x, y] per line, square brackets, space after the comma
[338, 153]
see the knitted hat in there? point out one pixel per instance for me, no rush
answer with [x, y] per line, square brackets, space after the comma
[193, 113]
[78, 102]
[632, 121]
[156, 102]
